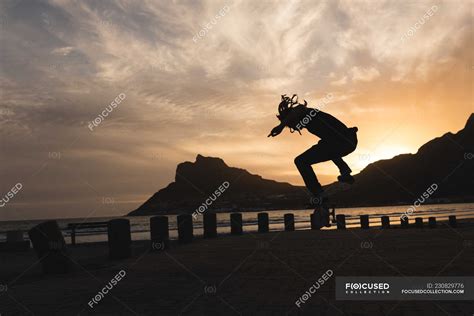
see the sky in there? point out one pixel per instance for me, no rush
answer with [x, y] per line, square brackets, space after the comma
[205, 77]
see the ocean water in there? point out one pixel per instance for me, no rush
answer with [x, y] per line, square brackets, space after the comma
[140, 226]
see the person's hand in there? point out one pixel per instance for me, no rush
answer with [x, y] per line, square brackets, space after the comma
[276, 131]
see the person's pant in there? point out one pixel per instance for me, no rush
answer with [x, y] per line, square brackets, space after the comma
[324, 151]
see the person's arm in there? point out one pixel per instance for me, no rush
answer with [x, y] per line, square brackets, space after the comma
[277, 130]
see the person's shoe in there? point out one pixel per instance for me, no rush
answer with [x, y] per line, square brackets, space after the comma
[346, 178]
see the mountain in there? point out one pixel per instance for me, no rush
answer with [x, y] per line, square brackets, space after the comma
[196, 182]
[447, 161]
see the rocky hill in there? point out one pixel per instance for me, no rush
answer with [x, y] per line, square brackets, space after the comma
[447, 161]
[196, 182]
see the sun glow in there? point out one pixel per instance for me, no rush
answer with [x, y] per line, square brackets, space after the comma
[390, 151]
[361, 158]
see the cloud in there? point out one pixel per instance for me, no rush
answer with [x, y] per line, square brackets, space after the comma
[364, 74]
[63, 51]
[339, 82]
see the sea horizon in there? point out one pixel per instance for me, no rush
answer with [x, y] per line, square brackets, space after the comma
[140, 224]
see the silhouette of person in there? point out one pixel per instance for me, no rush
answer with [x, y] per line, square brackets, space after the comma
[336, 140]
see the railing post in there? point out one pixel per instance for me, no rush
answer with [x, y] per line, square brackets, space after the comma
[14, 236]
[432, 222]
[73, 235]
[419, 222]
[120, 239]
[385, 222]
[315, 221]
[263, 222]
[341, 221]
[289, 220]
[159, 232]
[16, 241]
[185, 228]
[210, 225]
[50, 247]
[236, 224]
[452, 221]
[364, 221]
[404, 221]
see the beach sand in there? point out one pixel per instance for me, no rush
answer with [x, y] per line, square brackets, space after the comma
[252, 274]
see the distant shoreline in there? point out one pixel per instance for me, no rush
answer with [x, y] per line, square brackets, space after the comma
[225, 210]
[79, 219]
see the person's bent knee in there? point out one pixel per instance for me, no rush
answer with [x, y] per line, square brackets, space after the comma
[299, 161]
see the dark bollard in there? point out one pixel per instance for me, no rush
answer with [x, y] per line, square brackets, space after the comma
[385, 222]
[236, 223]
[289, 220]
[120, 239]
[419, 222]
[15, 236]
[364, 221]
[262, 222]
[315, 221]
[15, 242]
[341, 221]
[185, 228]
[432, 222]
[404, 221]
[452, 221]
[159, 233]
[210, 225]
[50, 247]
